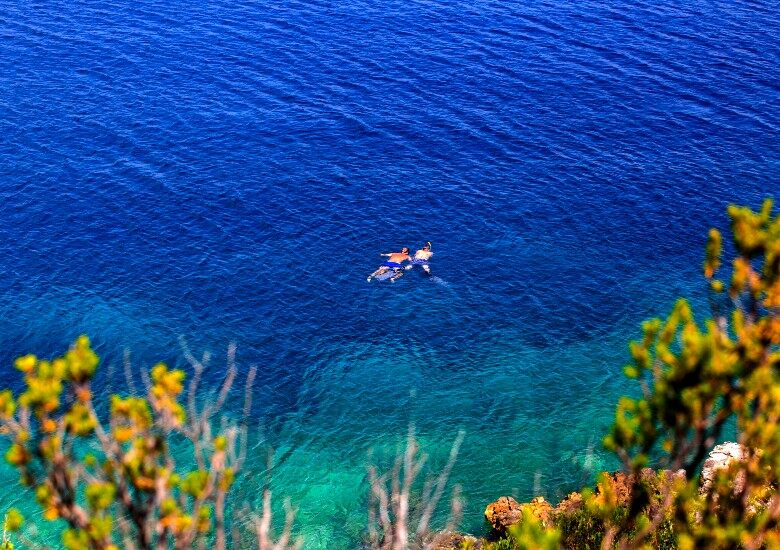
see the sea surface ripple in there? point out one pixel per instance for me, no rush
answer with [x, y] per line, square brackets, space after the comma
[231, 170]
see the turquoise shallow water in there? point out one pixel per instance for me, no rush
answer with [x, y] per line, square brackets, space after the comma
[230, 171]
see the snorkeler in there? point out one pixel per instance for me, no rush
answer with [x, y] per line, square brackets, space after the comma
[394, 261]
[422, 257]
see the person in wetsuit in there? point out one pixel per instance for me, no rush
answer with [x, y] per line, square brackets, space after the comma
[394, 262]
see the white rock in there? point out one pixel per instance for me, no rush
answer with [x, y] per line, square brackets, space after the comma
[720, 457]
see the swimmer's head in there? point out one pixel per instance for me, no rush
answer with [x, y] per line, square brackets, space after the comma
[405, 250]
[426, 246]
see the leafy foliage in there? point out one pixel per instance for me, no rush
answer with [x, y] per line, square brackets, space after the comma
[128, 486]
[397, 521]
[695, 379]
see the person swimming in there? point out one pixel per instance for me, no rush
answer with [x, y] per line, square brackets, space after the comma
[422, 257]
[394, 262]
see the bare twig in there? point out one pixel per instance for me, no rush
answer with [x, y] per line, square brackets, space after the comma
[390, 513]
[129, 372]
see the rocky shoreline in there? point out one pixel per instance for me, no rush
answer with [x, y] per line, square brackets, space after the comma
[506, 512]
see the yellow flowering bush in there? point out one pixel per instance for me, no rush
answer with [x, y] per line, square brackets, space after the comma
[130, 494]
[695, 380]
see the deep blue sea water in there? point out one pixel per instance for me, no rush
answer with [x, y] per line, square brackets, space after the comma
[231, 171]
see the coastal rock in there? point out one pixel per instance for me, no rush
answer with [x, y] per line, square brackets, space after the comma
[655, 479]
[572, 503]
[506, 511]
[621, 483]
[621, 486]
[720, 457]
[502, 513]
[541, 509]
